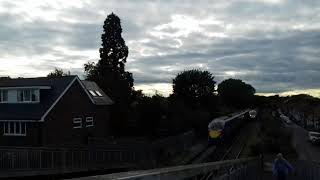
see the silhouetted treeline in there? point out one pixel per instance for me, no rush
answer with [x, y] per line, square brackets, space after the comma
[304, 109]
[192, 105]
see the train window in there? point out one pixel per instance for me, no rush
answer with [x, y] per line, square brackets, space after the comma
[218, 125]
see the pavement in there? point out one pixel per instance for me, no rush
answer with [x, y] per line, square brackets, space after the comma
[305, 150]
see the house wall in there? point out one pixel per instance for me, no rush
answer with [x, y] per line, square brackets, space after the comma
[31, 139]
[57, 129]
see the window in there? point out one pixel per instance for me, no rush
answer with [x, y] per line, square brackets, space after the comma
[20, 95]
[28, 95]
[77, 122]
[89, 121]
[3, 95]
[92, 93]
[99, 94]
[14, 128]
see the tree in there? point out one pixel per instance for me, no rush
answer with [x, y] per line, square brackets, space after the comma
[109, 73]
[235, 92]
[5, 77]
[194, 86]
[58, 73]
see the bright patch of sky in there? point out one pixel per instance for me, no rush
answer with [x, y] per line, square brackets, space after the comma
[271, 44]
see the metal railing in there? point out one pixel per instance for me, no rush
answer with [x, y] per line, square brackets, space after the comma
[63, 159]
[240, 169]
[308, 170]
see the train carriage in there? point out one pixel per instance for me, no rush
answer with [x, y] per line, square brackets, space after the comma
[223, 128]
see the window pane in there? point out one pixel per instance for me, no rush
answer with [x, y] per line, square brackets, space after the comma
[23, 128]
[17, 128]
[77, 122]
[27, 95]
[33, 95]
[99, 94]
[4, 95]
[6, 127]
[89, 121]
[20, 95]
[92, 93]
[11, 127]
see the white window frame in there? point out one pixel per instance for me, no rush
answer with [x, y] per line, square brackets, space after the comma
[32, 91]
[89, 122]
[2, 96]
[77, 123]
[17, 131]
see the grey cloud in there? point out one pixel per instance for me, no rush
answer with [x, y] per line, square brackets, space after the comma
[277, 64]
[262, 49]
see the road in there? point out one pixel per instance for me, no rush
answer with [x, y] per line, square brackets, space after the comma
[305, 149]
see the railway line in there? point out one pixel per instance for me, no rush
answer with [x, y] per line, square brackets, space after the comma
[239, 143]
[225, 151]
[230, 133]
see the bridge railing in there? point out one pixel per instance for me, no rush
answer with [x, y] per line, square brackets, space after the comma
[43, 158]
[240, 169]
[308, 170]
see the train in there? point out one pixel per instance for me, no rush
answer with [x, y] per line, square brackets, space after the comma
[223, 128]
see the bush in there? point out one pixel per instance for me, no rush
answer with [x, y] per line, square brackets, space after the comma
[274, 137]
[256, 149]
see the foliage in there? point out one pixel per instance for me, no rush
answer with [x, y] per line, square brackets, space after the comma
[304, 109]
[109, 73]
[5, 77]
[273, 136]
[58, 73]
[195, 87]
[152, 114]
[236, 93]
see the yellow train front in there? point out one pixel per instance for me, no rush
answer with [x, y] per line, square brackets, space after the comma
[224, 128]
[215, 129]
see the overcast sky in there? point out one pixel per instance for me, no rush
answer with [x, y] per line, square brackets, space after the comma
[271, 44]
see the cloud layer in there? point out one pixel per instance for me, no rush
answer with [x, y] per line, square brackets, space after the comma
[271, 44]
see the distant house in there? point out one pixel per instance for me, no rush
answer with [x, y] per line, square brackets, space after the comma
[52, 111]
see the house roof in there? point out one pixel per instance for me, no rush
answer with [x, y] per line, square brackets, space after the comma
[48, 97]
[98, 100]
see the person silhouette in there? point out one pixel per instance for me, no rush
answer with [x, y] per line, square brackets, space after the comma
[281, 168]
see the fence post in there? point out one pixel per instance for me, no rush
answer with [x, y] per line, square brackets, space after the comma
[40, 159]
[229, 173]
[27, 158]
[261, 158]
[63, 156]
[12, 160]
[52, 163]
[72, 164]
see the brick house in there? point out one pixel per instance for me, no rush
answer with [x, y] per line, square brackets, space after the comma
[52, 111]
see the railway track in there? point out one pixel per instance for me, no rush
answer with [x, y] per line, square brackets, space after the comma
[230, 151]
[202, 157]
[236, 148]
[224, 151]
[239, 143]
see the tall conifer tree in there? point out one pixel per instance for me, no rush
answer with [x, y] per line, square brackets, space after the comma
[109, 73]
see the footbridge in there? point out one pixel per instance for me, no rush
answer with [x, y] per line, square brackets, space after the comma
[239, 169]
